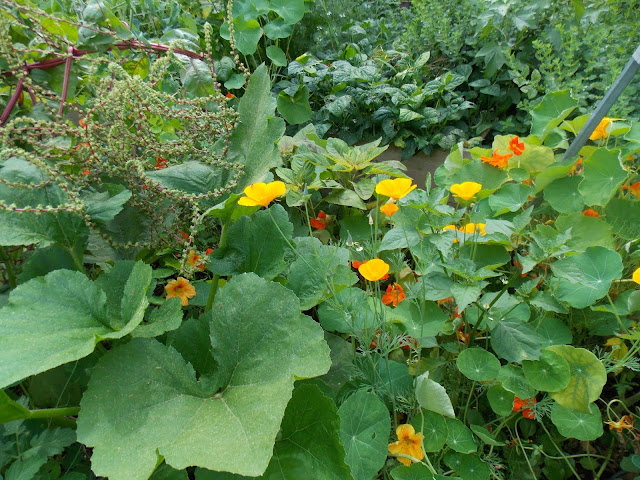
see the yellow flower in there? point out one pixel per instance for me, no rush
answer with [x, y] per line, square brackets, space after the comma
[601, 130]
[389, 209]
[625, 422]
[636, 276]
[262, 193]
[409, 443]
[621, 350]
[396, 188]
[374, 270]
[180, 288]
[465, 190]
[450, 227]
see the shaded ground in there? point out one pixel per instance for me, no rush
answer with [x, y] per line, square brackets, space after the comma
[419, 165]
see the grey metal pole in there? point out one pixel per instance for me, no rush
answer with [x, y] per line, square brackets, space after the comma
[609, 99]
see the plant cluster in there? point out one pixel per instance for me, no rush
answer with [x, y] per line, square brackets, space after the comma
[189, 293]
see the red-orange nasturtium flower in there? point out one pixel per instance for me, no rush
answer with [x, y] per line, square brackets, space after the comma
[636, 276]
[395, 188]
[625, 423]
[208, 251]
[321, 222]
[82, 123]
[374, 270]
[497, 160]
[516, 146]
[602, 130]
[86, 172]
[520, 404]
[465, 190]
[230, 95]
[589, 212]
[633, 188]
[409, 443]
[356, 264]
[576, 166]
[162, 162]
[394, 295]
[262, 193]
[389, 209]
[180, 288]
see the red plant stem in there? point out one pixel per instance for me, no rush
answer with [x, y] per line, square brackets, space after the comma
[73, 52]
[65, 82]
[130, 44]
[12, 102]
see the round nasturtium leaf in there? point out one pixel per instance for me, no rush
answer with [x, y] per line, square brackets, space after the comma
[469, 467]
[512, 379]
[563, 195]
[588, 377]
[478, 364]
[578, 425]
[459, 437]
[434, 428]
[500, 400]
[550, 373]
[364, 432]
[586, 277]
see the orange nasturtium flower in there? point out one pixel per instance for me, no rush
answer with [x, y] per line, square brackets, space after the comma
[396, 188]
[394, 295]
[262, 193]
[625, 422]
[576, 166]
[589, 212]
[230, 95]
[465, 190]
[496, 159]
[321, 222]
[389, 209]
[180, 288]
[208, 251]
[601, 130]
[193, 258]
[409, 443]
[519, 404]
[636, 276]
[516, 146]
[633, 188]
[82, 123]
[374, 270]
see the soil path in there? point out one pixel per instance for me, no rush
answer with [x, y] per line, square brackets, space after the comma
[419, 165]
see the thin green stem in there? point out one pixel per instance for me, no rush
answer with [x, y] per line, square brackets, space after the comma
[573, 470]
[77, 260]
[216, 277]
[54, 412]
[615, 312]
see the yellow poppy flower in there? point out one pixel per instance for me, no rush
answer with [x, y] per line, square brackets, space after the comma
[465, 190]
[180, 288]
[389, 209]
[636, 276]
[601, 130]
[374, 270]
[396, 188]
[262, 193]
[409, 443]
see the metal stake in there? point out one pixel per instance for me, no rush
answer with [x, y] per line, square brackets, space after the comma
[607, 102]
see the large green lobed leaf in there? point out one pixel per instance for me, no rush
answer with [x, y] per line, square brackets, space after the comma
[59, 318]
[156, 406]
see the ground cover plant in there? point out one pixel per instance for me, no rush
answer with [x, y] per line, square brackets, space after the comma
[190, 293]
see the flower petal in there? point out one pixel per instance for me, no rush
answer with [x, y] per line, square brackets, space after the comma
[405, 431]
